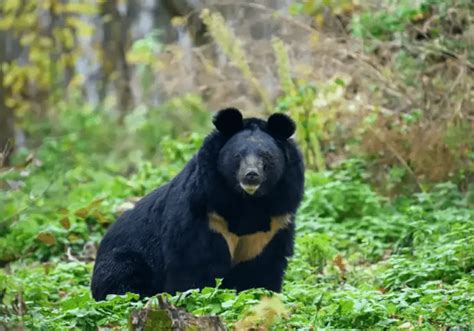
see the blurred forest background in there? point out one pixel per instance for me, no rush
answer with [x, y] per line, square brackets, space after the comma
[103, 100]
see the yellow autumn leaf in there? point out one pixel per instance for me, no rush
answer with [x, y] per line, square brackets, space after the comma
[314, 39]
[11, 5]
[81, 8]
[11, 102]
[46, 5]
[28, 20]
[82, 28]
[67, 38]
[6, 22]
[77, 81]
[319, 20]
[178, 21]
[17, 85]
[22, 107]
[27, 38]
[35, 54]
[34, 73]
[45, 42]
[10, 76]
[68, 60]
[31, 5]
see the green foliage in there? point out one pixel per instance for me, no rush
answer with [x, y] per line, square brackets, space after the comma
[36, 223]
[440, 248]
[214, 301]
[184, 115]
[383, 24]
[361, 261]
[143, 54]
[299, 103]
[314, 107]
[394, 17]
[340, 195]
[58, 297]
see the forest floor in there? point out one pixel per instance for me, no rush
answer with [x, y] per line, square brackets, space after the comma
[361, 261]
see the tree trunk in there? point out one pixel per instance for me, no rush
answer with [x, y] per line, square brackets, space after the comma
[114, 62]
[7, 132]
[165, 10]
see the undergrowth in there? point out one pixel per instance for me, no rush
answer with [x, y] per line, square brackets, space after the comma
[362, 260]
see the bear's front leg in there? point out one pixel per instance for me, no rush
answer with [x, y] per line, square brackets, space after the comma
[190, 277]
[267, 269]
[196, 264]
[260, 272]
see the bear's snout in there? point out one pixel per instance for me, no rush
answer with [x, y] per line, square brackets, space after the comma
[252, 177]
[251, 174]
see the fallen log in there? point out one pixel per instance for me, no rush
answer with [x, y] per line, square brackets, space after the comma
[158, 314]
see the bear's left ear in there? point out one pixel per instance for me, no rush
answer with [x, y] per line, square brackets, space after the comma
[228, 121]
[281, 126]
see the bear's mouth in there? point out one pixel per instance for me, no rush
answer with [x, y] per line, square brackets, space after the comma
[249, 188]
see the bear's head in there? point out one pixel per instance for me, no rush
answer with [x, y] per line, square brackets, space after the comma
[253, 158]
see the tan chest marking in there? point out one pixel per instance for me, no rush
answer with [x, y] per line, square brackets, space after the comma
[249, 246]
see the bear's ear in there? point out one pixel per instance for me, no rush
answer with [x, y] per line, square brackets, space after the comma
[228, 121]
[281, 126]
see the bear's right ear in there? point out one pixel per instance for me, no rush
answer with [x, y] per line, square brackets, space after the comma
[228, 121]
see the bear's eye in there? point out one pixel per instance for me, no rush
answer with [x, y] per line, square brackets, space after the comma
[266, 156]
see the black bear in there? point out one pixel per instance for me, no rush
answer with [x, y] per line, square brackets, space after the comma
[228, 214]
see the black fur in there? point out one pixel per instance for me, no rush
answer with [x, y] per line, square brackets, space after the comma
[281, 125]
[164, 244]
[228, 121]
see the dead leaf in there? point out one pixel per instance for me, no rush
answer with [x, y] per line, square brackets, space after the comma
[340, 264]
[47, 238]
[63, 211]
[100, 217]
[65, 223]
[96, 203]
[82, 212]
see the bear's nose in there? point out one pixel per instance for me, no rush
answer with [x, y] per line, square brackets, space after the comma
[251, 176]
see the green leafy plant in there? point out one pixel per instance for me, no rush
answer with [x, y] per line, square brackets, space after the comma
[361, 260]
